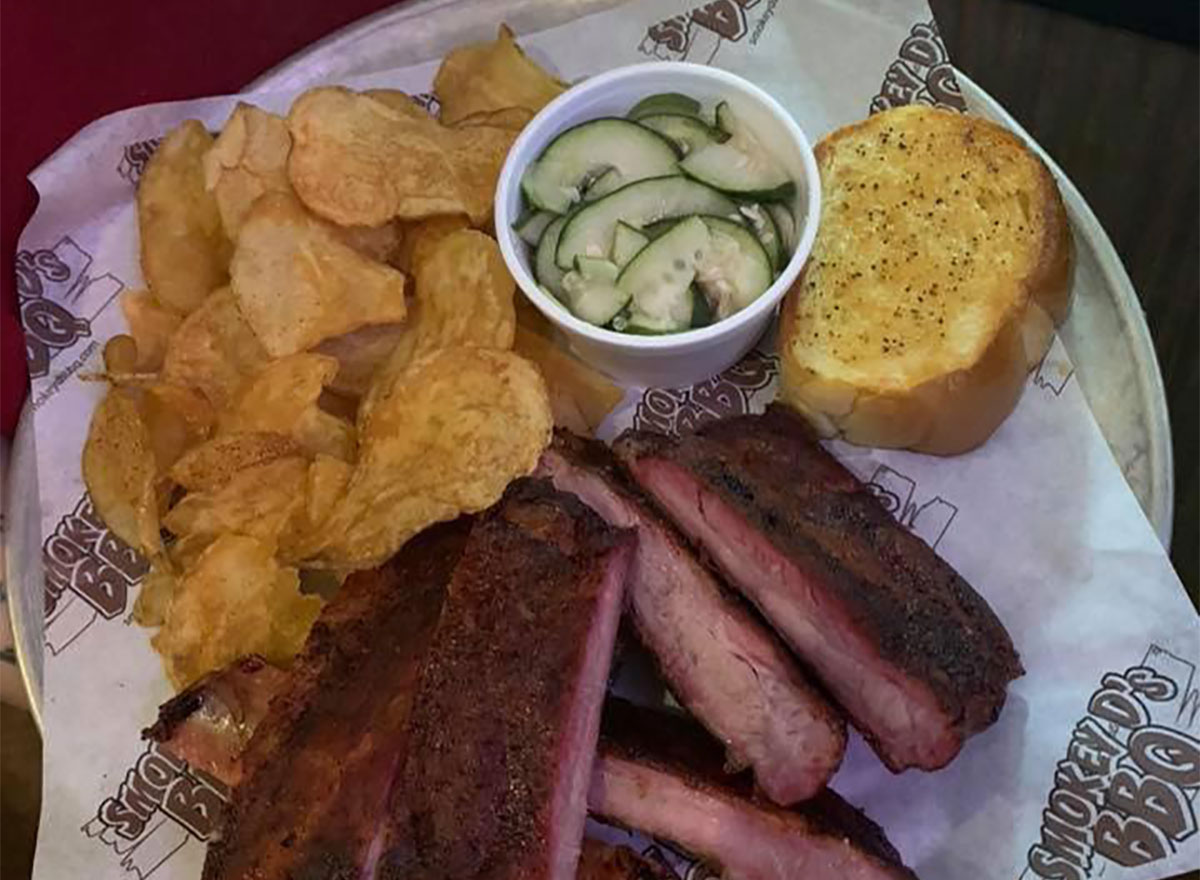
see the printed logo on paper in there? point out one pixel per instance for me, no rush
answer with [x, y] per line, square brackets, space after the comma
[428, 101]
[1053, 375]
[160, 807]
[922, 74]
[59, 297]
[741, 389]
[927, 518]
[1124, 793]
[699, 34]
[134, 158]
[89, 573]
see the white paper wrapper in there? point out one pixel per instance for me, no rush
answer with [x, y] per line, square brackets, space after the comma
[1039, 520]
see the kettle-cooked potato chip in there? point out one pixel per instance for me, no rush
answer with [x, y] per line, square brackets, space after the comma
[359, 355]
[151, 325]
[456, 427]
[399, 101]
[580, 396]
[247, 160]
[326, 482]
[297, 282]
[464, 296]
[384, 244]
[212, 464]
[492, 76]
[236, 600]
[420, 237]
[509, 118]
[214, 350]
[185, 252]
[256, 501]
[282, 399]
[121, 473]
[155, 595]
[358, 162]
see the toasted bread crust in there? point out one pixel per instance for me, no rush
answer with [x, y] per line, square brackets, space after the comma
[946, 394]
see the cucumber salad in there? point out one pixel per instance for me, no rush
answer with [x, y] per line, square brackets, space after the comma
[658, 222]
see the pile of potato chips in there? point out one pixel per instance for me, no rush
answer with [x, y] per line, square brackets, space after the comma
[323, 363]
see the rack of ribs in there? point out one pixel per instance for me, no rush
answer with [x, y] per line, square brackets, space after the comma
[719, 659]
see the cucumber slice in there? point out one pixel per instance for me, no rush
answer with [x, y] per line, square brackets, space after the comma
[667, 102]
[734, 269]
[531, 226]
[591, 290]
[589, 231]
[642, 324]
[740, 165]
[544, 268]
[659, 278]
[687, 133]
[763, 225]
[555, 180]
[785, 222]
[627, 241]
[608, 182]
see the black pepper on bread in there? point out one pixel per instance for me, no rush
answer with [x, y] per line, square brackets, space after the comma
[940, 270]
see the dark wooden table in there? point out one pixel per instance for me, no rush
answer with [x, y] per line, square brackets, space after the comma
[1118, 109]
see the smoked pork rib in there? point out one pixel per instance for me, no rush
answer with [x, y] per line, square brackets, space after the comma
[914, 655]
[312, 802]
[726, 666]
[504, 726]
[209, 724]
[662, 775]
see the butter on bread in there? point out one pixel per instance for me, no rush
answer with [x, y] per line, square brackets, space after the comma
[941, 267]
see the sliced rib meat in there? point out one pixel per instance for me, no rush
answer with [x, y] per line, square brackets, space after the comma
[726, 666]
[209, 724]
[915, 656]
[661, 775]
[312, 802]
[504, 727]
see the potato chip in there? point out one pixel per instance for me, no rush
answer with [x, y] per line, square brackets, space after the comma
[464, 296]
[155, 595]
[492, 76]
[237, 600]
[212, 464]
[326, 482]
[120, 471]
[282, 399]
[420, 237]
[151, 325]
[247, 160]
[580, 396]
[359, 355]
[322, 433]
[401, 102]
[257, 501]
[297, 283]
[510, 118]
[185, 550]
[359, 162]
[176, 419]
[454, 429]
[384, 244]
[185, 252]
[214, 350]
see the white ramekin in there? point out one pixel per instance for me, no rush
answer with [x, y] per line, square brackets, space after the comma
[675, 359]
